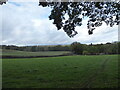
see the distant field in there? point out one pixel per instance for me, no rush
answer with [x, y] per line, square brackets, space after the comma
[24, 53]
[61, 72]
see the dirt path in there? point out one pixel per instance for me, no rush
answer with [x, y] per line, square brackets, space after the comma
[92, 77]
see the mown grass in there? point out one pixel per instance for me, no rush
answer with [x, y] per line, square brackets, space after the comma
[23, 53]
[61, 72]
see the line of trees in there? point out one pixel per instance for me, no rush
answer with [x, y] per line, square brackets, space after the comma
[38, 48]
[75, 48]
[97, 49]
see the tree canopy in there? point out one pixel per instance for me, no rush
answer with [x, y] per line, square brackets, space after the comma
[97, 12]
[77, 48]
[3, 2]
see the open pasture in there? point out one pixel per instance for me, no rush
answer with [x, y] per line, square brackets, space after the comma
[61, 72]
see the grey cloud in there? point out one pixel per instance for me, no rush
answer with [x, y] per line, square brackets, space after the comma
[28, 24]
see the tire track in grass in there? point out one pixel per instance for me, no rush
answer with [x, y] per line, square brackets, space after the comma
[92, 77]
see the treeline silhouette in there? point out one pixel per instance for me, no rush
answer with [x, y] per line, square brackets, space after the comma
[75, 48]
[37, 48]
[95, 49]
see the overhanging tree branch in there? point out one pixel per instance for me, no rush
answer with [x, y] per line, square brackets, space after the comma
[97, 12]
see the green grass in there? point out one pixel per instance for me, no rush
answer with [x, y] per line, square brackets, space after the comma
[23, 53]
[61, 72]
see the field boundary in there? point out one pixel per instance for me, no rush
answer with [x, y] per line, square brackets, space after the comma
[12, 57]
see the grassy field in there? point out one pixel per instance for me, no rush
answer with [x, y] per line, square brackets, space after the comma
[61, 72]
[23, 53]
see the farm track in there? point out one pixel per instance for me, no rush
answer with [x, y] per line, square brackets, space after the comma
[92, 77]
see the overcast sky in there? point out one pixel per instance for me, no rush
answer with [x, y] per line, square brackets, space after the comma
[26, 23]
